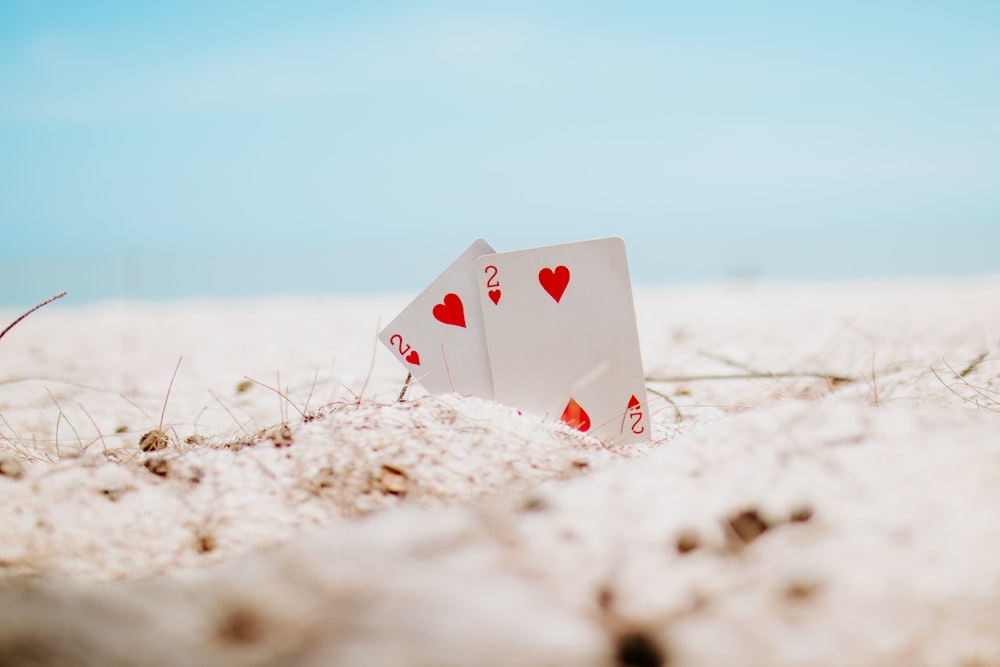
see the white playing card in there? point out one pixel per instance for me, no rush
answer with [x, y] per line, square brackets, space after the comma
[561, 334]
[439, 336]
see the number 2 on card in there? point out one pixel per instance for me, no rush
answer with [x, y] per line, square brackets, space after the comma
[493, 284]
[634, 411]
[492, 280]
[408, 352]
[636, 418]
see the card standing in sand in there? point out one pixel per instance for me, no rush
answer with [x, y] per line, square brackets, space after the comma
[562, 339]
[439, 337]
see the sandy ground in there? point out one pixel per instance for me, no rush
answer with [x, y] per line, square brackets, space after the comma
[821, 489]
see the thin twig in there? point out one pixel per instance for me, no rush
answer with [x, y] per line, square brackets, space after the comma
[43, 303]
[406, 385]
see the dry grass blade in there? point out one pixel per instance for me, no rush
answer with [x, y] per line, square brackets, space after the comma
[229, 412]
[282, 399]
[677, 410]
[831, 377]
[979, 391]
[973, 364]
[43, 303]
[312, 388]
[729, 362]
[170, 386]
[156, 439]
[371, 366]
[62, 417]
[20, 447]
[54, 380]
[98, 428]
[874, 383]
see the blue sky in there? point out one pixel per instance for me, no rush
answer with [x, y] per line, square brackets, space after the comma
[231, 148]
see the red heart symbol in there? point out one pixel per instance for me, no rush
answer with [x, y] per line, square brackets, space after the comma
[451, 311]
[633, 402]
[576, 416]
[495, 296]
[413, 358]
[554, 281]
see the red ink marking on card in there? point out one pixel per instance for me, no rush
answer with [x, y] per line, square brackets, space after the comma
[413, 358]
[634, 411]
[451, 311]
[495, 296]
[492, 271]
[554, 281]
[636, 418]
[574, 415]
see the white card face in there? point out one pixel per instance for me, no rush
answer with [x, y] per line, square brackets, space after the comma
[439, 336]
[561, 333]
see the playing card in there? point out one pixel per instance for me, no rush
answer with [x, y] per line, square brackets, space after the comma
[439, 336]
[561, 334]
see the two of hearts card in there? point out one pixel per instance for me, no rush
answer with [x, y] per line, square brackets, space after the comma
[550, 331]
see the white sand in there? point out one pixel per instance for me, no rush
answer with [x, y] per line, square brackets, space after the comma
[453, 531]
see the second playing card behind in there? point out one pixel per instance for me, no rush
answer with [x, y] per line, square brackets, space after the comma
[439, 336]
[561, 334]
